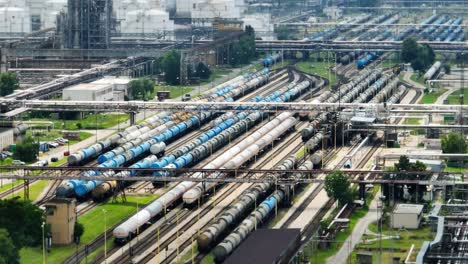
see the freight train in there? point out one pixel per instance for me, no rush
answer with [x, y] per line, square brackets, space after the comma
[125, 231]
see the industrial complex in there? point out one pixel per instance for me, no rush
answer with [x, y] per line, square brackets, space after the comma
[233, 131]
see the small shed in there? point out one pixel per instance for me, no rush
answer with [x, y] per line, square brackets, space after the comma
[407, 216]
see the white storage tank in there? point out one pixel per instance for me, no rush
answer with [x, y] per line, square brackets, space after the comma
[152, 21]
[50, 10]
[262, 25]
[225, 9]
[15, 20]
[122, 7]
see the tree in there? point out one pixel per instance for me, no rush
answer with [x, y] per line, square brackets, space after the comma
[8, 83]
[171, 67]
[447, 68]
[140, 88]
[403, 164]
[421, 57]
[409, 51]
[27, 151]
[454, 143]
[79, 231]
[337, 186]
[243, 51]
[9, 254]
[23, 221]
[203, 71]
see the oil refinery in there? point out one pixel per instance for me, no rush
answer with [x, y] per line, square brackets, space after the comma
[233, 131]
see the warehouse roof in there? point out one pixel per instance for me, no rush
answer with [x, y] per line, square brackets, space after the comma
[88, 87]
[408, 209]
[266, 246]
[113, 80]
[362, 119]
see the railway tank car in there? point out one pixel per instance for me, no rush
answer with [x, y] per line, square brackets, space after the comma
[362, 63]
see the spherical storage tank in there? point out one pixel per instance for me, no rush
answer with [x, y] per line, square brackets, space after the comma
[15, 20]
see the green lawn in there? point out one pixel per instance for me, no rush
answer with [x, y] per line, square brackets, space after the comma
[454, 98]
[102, 121]
[318, 68]
[34, 189]
[216, 73]
[321, 256]
[412, 121]
[400, 246]
[418, 79]
[455, 169]
[430, 98]
[58, 162]
[6, 162]
[42, 135]
[5, 186]
[93, 223]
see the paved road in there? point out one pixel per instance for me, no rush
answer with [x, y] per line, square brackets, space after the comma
[359, 229]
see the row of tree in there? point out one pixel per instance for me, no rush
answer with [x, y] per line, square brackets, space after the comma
[8, 83]
[169, 65]
[141, 88]
[243, 52]
[20, 226]
[27, 150]
[421, 57]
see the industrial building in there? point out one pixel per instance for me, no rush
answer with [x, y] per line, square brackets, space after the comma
[407, 216]
[119, 84]
[89, 92]
[6, 137]
[61, 215]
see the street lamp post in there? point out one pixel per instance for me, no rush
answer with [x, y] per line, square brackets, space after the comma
[43, 243]
[105, 235]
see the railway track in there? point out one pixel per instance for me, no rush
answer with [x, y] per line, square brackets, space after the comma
[99, 240]
[210, 206]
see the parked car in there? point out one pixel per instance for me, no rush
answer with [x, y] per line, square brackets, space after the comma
[53, 144]
[8, 153]
[61, 140]
[53, 159]
[18, 162]
[42, 163]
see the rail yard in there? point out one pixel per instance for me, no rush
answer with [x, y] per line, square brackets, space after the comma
[178, 132]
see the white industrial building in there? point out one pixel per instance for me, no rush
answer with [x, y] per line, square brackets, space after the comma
[89, 92]
[407, 216]
[109, 88]
[6, 137]
[199, 10]
[120, 86]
